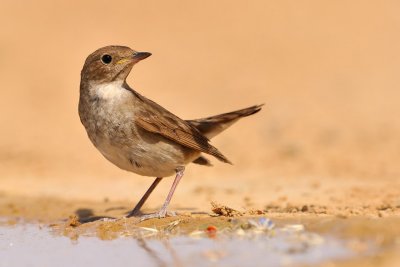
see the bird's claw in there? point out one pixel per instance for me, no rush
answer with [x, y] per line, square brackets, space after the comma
[158, 215]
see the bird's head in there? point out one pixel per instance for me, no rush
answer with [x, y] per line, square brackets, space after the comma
[111, 63]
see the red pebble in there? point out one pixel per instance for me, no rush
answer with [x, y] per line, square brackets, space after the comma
[211, 230]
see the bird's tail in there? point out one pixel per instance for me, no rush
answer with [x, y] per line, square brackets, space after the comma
[213, 125]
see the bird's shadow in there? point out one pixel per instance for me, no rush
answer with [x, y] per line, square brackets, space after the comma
[86, 215]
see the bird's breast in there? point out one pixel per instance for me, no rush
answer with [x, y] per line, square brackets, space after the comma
[109, 119]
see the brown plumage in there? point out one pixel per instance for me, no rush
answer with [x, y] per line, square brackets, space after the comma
[156, 119]
[137, 134]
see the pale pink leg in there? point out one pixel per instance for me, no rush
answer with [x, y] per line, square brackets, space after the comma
[163, 211]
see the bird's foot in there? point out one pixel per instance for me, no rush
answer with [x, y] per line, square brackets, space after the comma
[134, 213]
[158, 215]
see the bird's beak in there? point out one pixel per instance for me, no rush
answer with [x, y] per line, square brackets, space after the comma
[141, 55]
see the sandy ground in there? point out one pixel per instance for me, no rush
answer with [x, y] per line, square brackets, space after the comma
[325, 144]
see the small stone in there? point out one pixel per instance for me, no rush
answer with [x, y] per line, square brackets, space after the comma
[73, 221]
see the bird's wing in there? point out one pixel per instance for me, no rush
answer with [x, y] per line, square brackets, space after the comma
[153, 118]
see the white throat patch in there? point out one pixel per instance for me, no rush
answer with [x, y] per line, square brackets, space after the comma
[109, 91]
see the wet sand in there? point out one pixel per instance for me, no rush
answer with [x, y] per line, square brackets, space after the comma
[369, 239]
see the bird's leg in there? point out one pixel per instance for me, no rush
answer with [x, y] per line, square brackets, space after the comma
[136, 211]
[163, 211]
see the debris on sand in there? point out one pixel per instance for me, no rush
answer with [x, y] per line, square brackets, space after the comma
[172, 225]
[255, 212]
[262, 224]
[73, 221]
[223, 210]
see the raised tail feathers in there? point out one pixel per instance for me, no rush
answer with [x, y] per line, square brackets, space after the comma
[211, 126]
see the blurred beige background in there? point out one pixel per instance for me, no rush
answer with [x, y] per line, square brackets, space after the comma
[328, 72]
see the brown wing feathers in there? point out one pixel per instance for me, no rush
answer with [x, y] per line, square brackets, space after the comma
[156, 119]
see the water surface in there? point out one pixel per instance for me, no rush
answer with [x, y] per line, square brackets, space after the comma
[31, 245]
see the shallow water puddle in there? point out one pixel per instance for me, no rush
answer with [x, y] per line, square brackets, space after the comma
[31, 245]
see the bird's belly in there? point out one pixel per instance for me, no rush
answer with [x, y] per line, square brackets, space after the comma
[159, 159]
[113, 131]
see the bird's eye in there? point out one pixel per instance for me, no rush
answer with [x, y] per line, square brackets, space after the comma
[106, 59]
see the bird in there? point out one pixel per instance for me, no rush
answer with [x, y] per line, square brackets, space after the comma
[138, 135]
